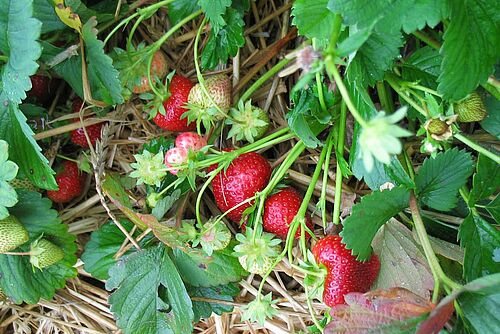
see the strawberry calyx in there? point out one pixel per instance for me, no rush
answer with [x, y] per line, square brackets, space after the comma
[247, 122]
[44, 253]
[257, 251]
[149, 169]
[154, 101]
[212, 236]
[260, 309]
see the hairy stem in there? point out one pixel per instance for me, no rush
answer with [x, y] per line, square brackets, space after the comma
[338, 176]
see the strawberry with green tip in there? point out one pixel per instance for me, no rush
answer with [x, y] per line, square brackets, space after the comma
[12, 234]
[208, 109]
[171, 115]
[44, 254]
[246, 175]
[247, 122]
[279, 211]
[70, 182]
[344, 272]
[470, 109]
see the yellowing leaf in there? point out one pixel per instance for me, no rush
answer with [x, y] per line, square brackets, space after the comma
[66, 15]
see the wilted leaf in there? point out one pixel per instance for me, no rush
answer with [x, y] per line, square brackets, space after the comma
[381, 311]
[402, 263]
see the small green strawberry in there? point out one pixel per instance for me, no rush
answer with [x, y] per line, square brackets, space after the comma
[257, 255]
[247, 122]
[12, 234]
[213, 236]
[470, 109]
[437, 126]
[44, 253]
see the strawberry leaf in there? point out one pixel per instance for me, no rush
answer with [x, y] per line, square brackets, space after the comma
[43, 10]
[494, 208]
[481, 242]
[368, 216]
[492, 121]
[312, 18]
[440, 178]
[224, 41]
[200, 270]
[104, 243]
[149, 296]
[204, 309]
[103, 77]
[486, 181]
[402, 263]
[214, 10]
[472, 44]
[177, 10]
[23, 148]
[19, 280]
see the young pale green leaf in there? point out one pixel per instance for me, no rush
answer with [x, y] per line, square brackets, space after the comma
[355, 40]
[312, 18]
[200, 270]
[471, 44]
[43, 10]
[23, 149]
[492, 121]
[177, 10]
[149, 296]
[19, 280]
[224, 42]
[368, 216]
[214, 11]
[481, 242]
[402, 263]
[8, 171]
[103, 245]
[103, 77]
[440, 178]
[221, 292]
[18, 41]
[486, 181]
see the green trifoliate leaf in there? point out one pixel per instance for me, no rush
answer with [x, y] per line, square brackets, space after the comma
[149, 169]
[312, 18]
[259, 309]
[379, 139]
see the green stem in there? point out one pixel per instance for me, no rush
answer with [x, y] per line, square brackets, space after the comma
[427, 39]
[477, 147]
[384, 97]
[275, 69]
[393, 82]
[202, 190]
[337, 24]
[4, 58]
[311, 309]
[437, 271]
[338, 176]
[325, 181]
[345, 95]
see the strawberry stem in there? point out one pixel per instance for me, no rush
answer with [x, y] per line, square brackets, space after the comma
[275, 69]
[17, 253]
[339, 152]
[477, 147]
[437, 271]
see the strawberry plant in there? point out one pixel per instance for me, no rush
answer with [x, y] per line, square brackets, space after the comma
[202, 166]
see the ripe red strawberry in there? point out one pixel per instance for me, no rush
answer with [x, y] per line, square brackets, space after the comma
[159, 68]
[246, 175]
[279, 211]
[78, 135]
[174, 106]
[175, 156]
[40, 88]
[70, 182]
[190, 141]
[344, 273]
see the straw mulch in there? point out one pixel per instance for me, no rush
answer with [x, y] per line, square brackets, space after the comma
[81, 307]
